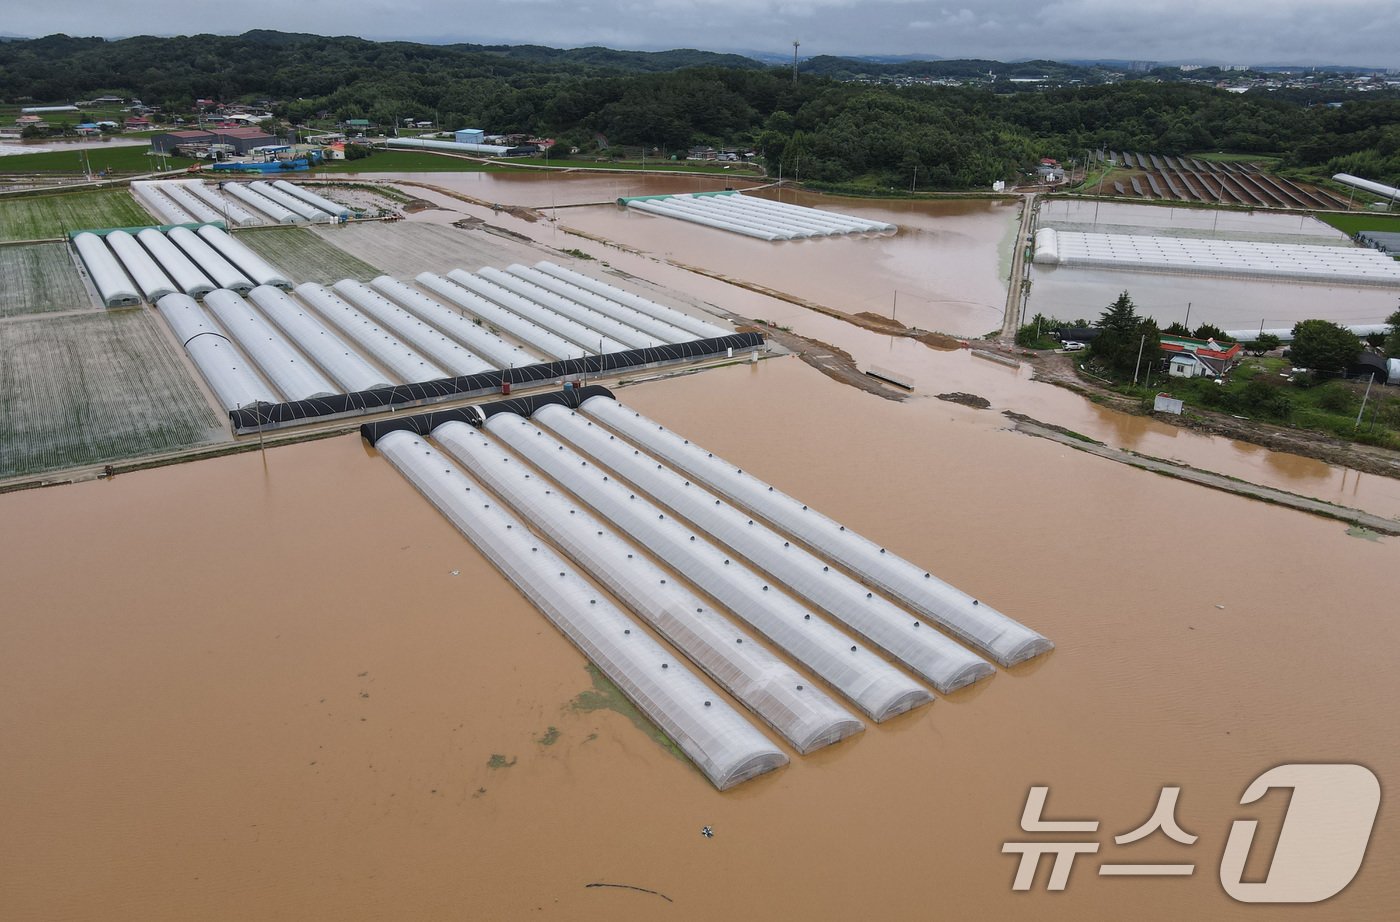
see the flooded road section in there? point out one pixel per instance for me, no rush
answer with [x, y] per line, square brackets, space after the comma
[288, 689]
[939, 372]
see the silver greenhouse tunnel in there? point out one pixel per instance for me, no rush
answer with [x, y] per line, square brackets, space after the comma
[223, 367]
[716, 737]
[862, 676]
[787, 701]
[927, 652]
[112, 284]
[1001, 637]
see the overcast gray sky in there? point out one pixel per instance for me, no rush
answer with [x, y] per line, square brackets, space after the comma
[1362, 32]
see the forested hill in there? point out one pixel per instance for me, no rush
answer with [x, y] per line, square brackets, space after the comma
[280, 63]
[819, 128]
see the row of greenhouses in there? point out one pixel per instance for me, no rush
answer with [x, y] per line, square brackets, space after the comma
[128, 266]
[272, 346]
[808, 627]
[237, 204]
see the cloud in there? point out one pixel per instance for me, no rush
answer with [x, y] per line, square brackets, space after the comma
[1240, 31]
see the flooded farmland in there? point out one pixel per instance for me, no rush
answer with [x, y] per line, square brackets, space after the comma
[281, 685]
[283, 694]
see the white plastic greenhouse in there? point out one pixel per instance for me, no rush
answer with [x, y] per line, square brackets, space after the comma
[377, 343]
[716, 737]
[472, 334]
[755, 217]
[177, 265]
[286, 369]
[339, 360]
[789, 702]
[153, 282]
[290, 202]
[112, 284]
[930, 654]
[1239, 258]
[668, 210]
[538, 338]
[661, 329]
[1001, 637]
[703, 329]
[210, 262]
[231, 212]
[193, 209]
[249, 263]
[590, 341]
[599, 323]
[234, 383]
[453, 147]
[334, 209]
[861, 675]
[430, 342]
[261, 203]
[1381, 189]
[166, 211]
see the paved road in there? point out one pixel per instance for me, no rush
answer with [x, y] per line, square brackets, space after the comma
[1011, 320]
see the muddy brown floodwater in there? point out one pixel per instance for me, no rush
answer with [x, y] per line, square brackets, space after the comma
[934, 372]
[274, 688]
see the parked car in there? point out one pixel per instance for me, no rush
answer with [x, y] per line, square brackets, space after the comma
[1070, 345]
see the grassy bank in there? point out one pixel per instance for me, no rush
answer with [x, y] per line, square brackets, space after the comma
[1353, 224]
[410, 161]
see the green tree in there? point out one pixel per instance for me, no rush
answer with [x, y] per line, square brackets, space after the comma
[1323, 347]
[1211, 331]
[1124, 336]
[1392, 342]
[1267, 342]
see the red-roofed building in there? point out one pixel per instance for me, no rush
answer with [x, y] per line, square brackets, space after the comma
[137, 123]
[1196, 358]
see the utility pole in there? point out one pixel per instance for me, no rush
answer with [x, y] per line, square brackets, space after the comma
[1141, 346]
[795, 43]
[1187, 324]
[1370, 379]
[915, 181]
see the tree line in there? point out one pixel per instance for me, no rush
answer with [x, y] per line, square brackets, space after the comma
[819, 129]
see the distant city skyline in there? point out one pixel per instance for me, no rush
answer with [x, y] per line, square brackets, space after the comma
[1242, 32]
